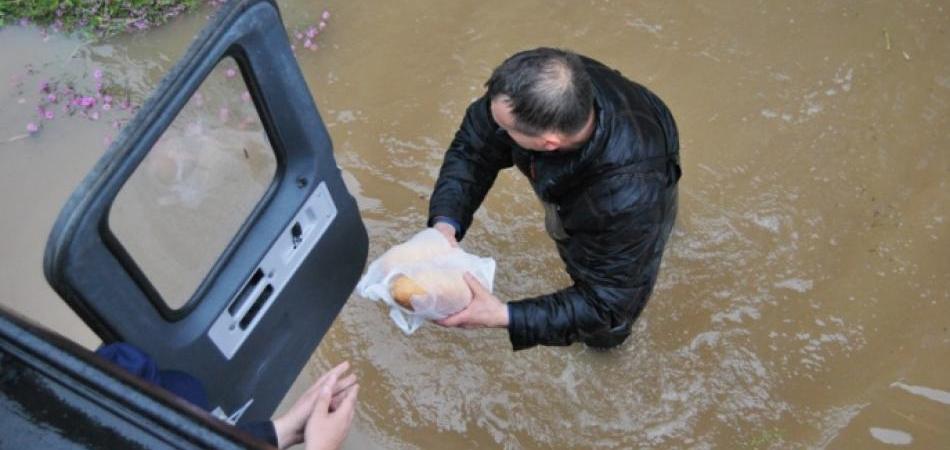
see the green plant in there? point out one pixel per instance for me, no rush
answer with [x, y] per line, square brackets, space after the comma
[101, 18]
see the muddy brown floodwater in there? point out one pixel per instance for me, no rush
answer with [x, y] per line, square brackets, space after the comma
[803, 302]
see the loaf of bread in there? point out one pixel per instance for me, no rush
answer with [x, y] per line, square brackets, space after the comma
[403, 289]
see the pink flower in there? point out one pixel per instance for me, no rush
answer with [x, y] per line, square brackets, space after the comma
[106, 106]
[107, 99]
[49, 115]
[97, 74]
[311, 32]
[308, 43]
[326, 15]
[51, 98]
[322, 25]
[32, 128]
[230, 73]
[87, 102]
[300, 35]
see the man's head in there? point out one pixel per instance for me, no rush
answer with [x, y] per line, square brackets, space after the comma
[543, 98]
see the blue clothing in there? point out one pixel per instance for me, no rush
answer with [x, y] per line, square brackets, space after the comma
[135, 361]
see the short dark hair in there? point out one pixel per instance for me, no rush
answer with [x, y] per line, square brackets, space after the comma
[548, 89]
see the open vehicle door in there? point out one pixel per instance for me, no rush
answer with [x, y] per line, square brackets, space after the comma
[288, 258]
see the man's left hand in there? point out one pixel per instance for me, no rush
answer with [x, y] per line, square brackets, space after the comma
[485, 310]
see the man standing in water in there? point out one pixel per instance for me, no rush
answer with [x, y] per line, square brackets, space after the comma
[602, 154]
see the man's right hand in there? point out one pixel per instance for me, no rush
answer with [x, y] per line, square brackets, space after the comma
[448, 231]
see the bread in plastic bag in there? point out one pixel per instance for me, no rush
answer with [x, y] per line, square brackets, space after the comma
[428, 270]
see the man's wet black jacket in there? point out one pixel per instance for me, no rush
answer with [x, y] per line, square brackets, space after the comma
[612, 203]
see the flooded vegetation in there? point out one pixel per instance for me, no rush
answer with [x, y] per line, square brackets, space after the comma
[803, 298]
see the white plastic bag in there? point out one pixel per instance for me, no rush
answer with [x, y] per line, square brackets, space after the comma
[430, 260]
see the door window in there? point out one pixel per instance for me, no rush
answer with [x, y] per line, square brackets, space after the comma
[204, 176]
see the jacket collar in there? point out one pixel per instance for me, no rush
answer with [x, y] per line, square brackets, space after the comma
[558, 171]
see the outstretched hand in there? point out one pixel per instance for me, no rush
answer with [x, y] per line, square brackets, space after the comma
[327, 427]
[485, 310]
[290, 426]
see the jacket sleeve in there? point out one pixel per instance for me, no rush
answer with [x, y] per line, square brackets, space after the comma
[612, 260]
[470, 167]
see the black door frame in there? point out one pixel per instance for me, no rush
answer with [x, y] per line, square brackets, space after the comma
[88, 267]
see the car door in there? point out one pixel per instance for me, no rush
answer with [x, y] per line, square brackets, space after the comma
[284, 262]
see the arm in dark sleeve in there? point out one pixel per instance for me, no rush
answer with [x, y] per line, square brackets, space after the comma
[469, 169]
[613, 264]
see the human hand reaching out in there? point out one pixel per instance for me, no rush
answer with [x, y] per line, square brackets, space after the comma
[485, 310]
[291, 425]
[327, 426]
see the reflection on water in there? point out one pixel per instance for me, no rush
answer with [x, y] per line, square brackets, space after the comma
[936, 395]
[801, 302]
[893, 437]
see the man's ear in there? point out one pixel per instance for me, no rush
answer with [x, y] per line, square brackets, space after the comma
[551, 142]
